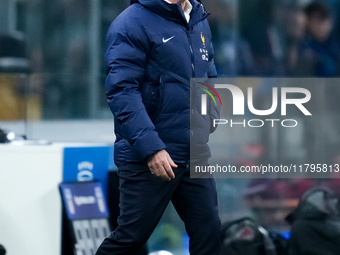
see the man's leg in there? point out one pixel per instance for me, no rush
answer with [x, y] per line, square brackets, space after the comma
[143, 199]
[196, 202]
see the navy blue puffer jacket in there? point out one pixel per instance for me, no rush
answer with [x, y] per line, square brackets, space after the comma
[152, 52]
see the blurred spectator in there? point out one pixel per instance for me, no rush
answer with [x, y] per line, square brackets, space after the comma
[296, 28]
[315, 224]
[233, 53]
[76, 80]
[244, 236]
[66, 54]
[319, 49]
[259, 25]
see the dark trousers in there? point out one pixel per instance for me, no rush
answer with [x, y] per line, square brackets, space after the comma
[143, 199]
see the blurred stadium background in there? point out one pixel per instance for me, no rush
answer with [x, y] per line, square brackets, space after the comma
[52, 75]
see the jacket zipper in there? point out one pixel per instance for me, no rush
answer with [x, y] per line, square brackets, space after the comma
[192, 113]
[191, 52]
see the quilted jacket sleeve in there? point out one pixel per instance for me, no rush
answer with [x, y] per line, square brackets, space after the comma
[126, 58]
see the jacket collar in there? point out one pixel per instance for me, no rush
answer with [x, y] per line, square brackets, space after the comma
[174, 12]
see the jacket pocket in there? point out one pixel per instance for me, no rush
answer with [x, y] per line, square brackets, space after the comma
[152, 98]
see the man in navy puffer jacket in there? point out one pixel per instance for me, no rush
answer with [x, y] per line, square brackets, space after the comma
[154, 47]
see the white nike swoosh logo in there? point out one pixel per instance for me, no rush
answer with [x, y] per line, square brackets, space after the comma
[166, 40]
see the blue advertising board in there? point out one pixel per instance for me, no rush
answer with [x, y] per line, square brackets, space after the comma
[84, 200]
[88, 163]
